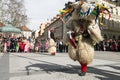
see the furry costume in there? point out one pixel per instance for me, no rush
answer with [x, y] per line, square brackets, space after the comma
[84, 31]
[52, 46]
[52, 43]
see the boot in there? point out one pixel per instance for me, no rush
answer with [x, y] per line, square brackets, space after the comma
[53, 53]
[81, 73]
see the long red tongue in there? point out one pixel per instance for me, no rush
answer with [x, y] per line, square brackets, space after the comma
[72, 42]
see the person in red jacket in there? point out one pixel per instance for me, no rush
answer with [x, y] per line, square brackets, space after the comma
[21, 45]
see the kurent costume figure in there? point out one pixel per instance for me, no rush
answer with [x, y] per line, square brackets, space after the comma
[82, 31]
[52, 43]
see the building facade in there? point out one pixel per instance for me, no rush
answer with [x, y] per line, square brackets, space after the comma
[112, 28]
[26, 32]
[57, 25]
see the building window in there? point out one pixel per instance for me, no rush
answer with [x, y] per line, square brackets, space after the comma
[109, 24]
[119, 37]
[116, 11]
[111, 9]
[105, 36]
[112, 24]
[119, 4]
[110, 36]
[114, 37]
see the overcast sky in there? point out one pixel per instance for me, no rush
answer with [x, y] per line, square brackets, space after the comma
[39, 11]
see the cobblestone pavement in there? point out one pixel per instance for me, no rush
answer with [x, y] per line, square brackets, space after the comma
[43, 66]
[112, 56]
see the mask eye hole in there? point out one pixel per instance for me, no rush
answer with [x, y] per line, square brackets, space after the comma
[93, 27]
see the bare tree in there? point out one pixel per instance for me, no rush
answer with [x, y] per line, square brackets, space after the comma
[13, 11]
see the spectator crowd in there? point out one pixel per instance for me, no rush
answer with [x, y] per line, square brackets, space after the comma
[22, 44]
[108, 45]
[26, 45]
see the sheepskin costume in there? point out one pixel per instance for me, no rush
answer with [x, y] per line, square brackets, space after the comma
[52, 44]
[83, 31]
[84, 51]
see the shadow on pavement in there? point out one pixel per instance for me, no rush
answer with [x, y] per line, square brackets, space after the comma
[115, 67]
[99, 73]
[108, 75]
[49, 67]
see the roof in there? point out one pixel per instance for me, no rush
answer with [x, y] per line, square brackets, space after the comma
[10, 28]
[1, 24]
[24, 28]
